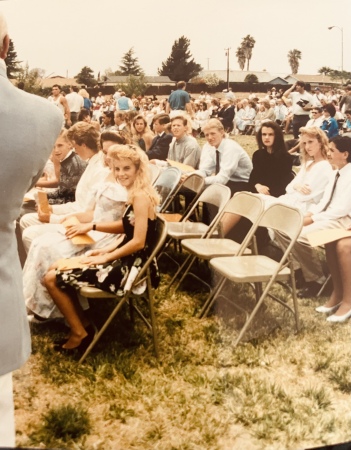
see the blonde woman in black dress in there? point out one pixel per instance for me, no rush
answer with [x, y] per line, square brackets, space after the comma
[110, 268]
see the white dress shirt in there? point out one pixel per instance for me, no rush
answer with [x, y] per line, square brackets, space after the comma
[234, 163]
[340, 205]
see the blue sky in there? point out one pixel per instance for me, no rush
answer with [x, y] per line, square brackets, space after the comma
[62, 36]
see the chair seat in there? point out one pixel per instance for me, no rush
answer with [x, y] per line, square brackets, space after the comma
[183, 230]
[171, 217]
[212, 248]
[93, 292]
[250, 269]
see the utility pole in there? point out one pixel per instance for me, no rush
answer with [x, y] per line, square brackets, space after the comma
[342, 49]
[227, 50]
[208, 63]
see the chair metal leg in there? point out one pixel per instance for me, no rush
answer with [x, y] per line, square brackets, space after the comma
[103, 328]
[324, 286]
[179, 270]
[212, 298]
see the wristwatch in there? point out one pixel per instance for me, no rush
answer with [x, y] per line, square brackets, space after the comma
[94, 226]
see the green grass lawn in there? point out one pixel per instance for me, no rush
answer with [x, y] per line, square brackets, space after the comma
[276, 390]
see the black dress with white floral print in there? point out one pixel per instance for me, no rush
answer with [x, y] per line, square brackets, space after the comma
[116, 276]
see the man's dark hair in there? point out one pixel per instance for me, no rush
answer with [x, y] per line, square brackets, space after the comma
[56, 85]
[343, 144]
[113, 137]
[301, 84]
[162, 118]
[181, 84]
[74, 88]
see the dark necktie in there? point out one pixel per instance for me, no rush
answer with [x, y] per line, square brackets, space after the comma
[332, 192]
[217, 162]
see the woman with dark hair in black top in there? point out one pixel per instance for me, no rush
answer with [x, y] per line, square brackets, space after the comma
[272, 164]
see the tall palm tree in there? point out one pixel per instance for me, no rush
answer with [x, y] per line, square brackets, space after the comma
[325, 70]
[241, 58]
[294, 57]
[247, 45]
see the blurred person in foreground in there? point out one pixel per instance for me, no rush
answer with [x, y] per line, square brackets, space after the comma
[25, 146]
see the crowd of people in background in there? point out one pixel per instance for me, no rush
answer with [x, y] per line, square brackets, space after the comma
[243, 115]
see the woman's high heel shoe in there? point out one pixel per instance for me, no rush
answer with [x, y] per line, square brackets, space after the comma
[327, 309]
[339, 319]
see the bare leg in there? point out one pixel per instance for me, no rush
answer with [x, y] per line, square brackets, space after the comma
[343, 251]
[229, 221]
[71, 310]
[335, 271]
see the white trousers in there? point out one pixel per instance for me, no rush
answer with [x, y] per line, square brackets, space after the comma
[7, 413]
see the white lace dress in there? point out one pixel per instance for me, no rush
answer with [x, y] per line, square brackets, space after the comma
[108, 202]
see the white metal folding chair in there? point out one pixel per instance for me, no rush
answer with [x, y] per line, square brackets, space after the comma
[166, 184]
[259, 268]
[244, 204]
[216, 195]
[129, 296]
[154, 172]
[193, 185]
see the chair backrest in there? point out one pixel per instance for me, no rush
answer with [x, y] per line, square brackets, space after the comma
[215, 194]
[154, 172]
[244, 204]
[166, 184]
[283, 218]
[160, 238]
[194, 183]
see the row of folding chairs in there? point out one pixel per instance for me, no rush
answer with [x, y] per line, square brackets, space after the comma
[232, 261]
[240, 263]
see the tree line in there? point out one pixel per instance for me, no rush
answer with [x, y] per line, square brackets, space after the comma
[180, 65]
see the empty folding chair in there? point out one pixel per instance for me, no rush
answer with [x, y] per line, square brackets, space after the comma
[216, 195]
[243, 204]
[191, 186]
[154, 172]
[259, 268]
[166, 184]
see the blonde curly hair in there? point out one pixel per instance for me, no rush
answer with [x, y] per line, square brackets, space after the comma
[141, 162]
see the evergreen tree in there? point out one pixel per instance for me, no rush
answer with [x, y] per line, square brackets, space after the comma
[86, 76]
[180, 66]
[130, 65]
[11, 61]
[294, 57]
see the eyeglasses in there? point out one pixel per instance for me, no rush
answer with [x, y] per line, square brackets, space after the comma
[315, 112]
